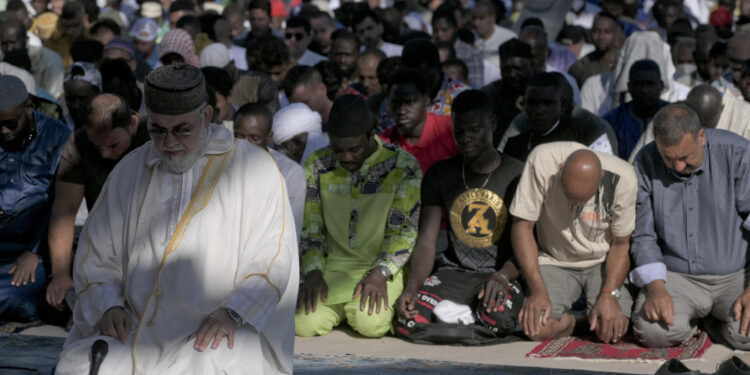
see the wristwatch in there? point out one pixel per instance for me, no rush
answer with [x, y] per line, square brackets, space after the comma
[614, 292]
[384, 271]
[236, 317]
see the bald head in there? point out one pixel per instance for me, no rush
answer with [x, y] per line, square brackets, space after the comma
[108, 112]
[536, 37]
[705, 100]
[111, 126]
[580, 175]
[12, 35]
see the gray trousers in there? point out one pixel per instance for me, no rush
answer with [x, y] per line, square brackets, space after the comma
[564, 287]
[695, 297]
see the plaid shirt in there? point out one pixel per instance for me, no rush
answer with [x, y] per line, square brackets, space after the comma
[473, 59]
[363, 219]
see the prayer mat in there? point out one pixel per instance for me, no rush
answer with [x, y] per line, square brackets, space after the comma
[38, 355]
[14, 327]
[628, 349]
[24, 354]
[350, 364]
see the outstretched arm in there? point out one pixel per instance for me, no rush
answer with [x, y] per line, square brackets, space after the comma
[422, 258]
[606, 317]
[537, 307]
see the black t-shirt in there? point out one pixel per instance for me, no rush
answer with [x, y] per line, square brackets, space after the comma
[81, 163]
[573, 130]
[478, 219]
[506, 108]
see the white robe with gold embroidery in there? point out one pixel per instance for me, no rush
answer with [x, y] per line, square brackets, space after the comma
[173, 248]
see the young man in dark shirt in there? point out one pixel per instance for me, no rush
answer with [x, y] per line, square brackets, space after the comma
[111, 132]
[507, 93]
[474, 279]
[548, 103]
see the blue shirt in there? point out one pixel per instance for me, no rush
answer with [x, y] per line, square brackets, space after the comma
[693, 224]
[628, 127]
[26, 181]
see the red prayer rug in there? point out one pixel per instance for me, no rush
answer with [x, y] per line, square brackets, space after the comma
[628, 349]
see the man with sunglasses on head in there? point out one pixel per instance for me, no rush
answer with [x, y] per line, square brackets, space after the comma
[188, 262]
[111, 131]
[298, 36]
[30, 148]
[573, 214]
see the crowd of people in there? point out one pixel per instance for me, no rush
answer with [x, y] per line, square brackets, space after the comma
[174, 173]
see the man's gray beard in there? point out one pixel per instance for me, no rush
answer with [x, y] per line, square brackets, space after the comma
[180, 164]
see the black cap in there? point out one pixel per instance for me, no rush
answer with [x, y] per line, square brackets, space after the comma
[350, 117]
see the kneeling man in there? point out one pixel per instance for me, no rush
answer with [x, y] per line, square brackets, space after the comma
[360, 225]
[474, 282]
[689, 245]
[187, 263]
[582, 205]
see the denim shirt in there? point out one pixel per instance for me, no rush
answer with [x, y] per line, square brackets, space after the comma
[26, 181]
[692, 224]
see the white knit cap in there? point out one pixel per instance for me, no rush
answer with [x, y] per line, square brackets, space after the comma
[294, 119]
[216, 55]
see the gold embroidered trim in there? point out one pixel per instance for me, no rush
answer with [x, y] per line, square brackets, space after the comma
[156, 309]
[198, 201]
[281, 235]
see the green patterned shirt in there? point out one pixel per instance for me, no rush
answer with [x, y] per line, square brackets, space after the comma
[357, 221]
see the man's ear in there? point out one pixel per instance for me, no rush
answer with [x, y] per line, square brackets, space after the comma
[321, 89]
[208, 114]
[133, 126]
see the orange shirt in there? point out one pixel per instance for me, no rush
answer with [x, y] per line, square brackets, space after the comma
[435, 144]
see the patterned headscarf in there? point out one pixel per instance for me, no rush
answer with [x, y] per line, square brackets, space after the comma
[179, 42]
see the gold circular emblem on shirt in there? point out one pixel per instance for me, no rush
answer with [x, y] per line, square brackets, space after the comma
[478, 218]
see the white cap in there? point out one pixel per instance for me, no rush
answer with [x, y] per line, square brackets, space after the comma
[216, 55]
[145, 30]
[151, 9]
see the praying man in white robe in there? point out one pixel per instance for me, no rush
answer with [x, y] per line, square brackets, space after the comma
[188, 261]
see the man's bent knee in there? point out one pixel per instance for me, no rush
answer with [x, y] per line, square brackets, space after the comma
[554, 329]
[375, 325]
[315, 324]
[730, 335]
[659, 334]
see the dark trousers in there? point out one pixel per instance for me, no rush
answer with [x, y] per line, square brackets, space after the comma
[462, 287]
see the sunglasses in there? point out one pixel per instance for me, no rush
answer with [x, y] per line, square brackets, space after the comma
[298, 36]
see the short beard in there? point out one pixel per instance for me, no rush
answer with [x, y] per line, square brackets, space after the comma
[180, 164]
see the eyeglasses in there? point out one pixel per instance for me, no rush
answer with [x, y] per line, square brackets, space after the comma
[161, 133]
[298, 36]
[293, 144]
[182, 131]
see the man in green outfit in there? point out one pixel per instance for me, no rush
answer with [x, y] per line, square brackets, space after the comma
[360, 226]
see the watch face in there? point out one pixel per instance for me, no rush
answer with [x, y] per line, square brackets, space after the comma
[616, 293]
[385, 272]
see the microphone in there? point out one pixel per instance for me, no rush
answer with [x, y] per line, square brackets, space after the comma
[98, 352]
